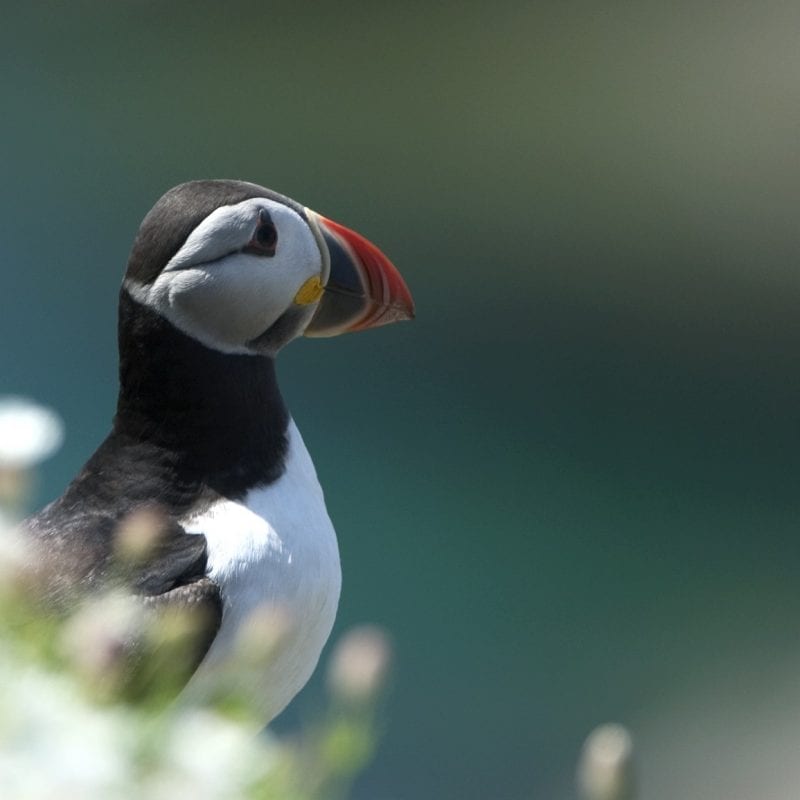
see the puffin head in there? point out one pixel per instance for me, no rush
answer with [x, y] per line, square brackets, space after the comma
[244, 270]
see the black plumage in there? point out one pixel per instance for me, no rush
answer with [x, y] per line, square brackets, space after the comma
[192, 425]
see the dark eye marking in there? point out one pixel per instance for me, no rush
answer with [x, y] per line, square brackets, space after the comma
[265, 238]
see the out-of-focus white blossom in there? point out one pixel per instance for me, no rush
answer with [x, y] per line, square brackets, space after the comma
[29, 433]
[359, 664]
[55, 745]
[605, 771]
[209, 757]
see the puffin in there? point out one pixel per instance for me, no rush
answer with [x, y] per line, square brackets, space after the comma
[223, 274]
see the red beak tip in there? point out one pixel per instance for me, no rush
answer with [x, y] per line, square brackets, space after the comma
[389, 299]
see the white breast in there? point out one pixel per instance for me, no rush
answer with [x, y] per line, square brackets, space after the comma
[274, 553]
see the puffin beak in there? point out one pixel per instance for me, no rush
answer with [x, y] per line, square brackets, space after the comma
[364, 288]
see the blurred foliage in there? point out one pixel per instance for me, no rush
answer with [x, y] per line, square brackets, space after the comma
[88, 709]
[90, 703]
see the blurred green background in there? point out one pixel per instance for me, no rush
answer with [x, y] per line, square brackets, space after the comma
[569, 488]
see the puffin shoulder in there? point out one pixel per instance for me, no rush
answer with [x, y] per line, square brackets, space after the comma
[75, 552]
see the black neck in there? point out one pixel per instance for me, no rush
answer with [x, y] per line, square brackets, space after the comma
[220, 417]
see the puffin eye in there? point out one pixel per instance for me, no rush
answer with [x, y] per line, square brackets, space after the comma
[265, 239]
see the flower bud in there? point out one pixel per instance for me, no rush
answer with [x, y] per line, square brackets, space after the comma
[138, 534]
[262, 632]
[605, 771]
[360, 664]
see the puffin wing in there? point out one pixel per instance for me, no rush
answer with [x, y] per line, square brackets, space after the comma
[174, 560]
[75, 555]
[172, 578]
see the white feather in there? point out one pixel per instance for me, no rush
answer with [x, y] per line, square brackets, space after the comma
[277, 551]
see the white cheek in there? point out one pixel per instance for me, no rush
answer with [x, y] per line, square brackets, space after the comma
[231, 302]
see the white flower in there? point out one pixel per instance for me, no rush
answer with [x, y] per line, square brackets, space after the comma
[54, 745]
[29, 433]
[208, 757]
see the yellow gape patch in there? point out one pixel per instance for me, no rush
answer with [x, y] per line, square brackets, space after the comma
[309, 292]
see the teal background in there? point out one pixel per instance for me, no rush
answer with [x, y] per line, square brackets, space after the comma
[569, 488]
